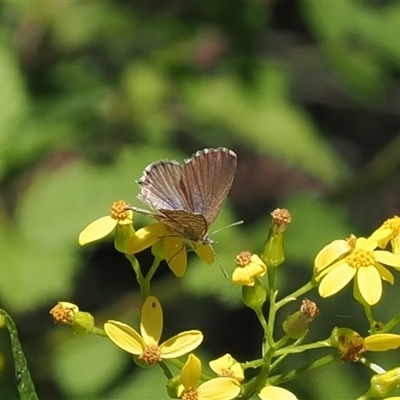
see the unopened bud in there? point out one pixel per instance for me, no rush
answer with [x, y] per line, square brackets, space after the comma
[273, 253]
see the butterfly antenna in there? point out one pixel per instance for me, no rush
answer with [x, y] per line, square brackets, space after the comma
[220, 264]
[228, 226]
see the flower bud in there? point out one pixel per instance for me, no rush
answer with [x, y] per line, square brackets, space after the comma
[68, 314]
[296, 325]
[273, 253]
[383, 384]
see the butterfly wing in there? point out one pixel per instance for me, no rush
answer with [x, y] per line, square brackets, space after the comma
[186, 224]
[207, 178]
[161, 186]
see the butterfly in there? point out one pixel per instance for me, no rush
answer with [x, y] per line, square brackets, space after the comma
[188, 198]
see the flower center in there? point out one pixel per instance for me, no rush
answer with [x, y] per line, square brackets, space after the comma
[228, 373]
[190, 394]
[351, 349]
[119, 211]
[63, 313]
[243, 259]
[360, 258]
[151, 355]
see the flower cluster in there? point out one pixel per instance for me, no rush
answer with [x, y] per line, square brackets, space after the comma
[364, 259]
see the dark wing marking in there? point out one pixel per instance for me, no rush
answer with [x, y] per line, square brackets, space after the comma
[186, 224]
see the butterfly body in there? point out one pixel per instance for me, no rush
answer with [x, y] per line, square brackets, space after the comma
[188, 198]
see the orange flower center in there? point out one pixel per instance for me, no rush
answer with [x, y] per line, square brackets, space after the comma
[119, 211]
[151, 355]
[190, 394]
[243, 259]
[360, 258]
[62, 314]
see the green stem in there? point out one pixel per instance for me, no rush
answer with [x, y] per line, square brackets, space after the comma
[142, 281]
[281, 378]
[153, 269]
[267, 334]
[98, 331]
[370, 317]
[299, 292]
[391, 324]
[167, 372]
[25, 385]
[136, 267]
[256, 384]
[272, 307]
[299, 349]
[279, 344]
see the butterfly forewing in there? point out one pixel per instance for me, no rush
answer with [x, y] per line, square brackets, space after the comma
[161, 186]
[207, 177]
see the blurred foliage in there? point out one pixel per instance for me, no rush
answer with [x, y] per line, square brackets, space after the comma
[306, 93]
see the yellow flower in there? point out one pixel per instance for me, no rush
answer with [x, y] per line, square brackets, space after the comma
[388, 231]
[249, 266]
[340, 261]
[352, 345]
[145, 345]
[227, 366]
[120, 217]
[221, 388]
[170, 246]
[276, 393]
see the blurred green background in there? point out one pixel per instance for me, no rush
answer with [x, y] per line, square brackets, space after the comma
[306, 92]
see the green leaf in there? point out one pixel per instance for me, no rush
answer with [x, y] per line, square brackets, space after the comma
[25, 385]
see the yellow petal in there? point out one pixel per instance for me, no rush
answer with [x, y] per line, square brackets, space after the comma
[336, 280]
[151, 323]
[222, 364]
[125, 337]
[385, 257]
[276, 393]
[225, 364]
[237, 372]
[181, 344]
[366, 244]
[191, 371]
[241, 276]
[219, 389]
[330, 253]
[146, 237]
[205, 252]
[385, 273]
[382, 342]
[382, 235]
[97, 230]
[175, 254]
[370, 284]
